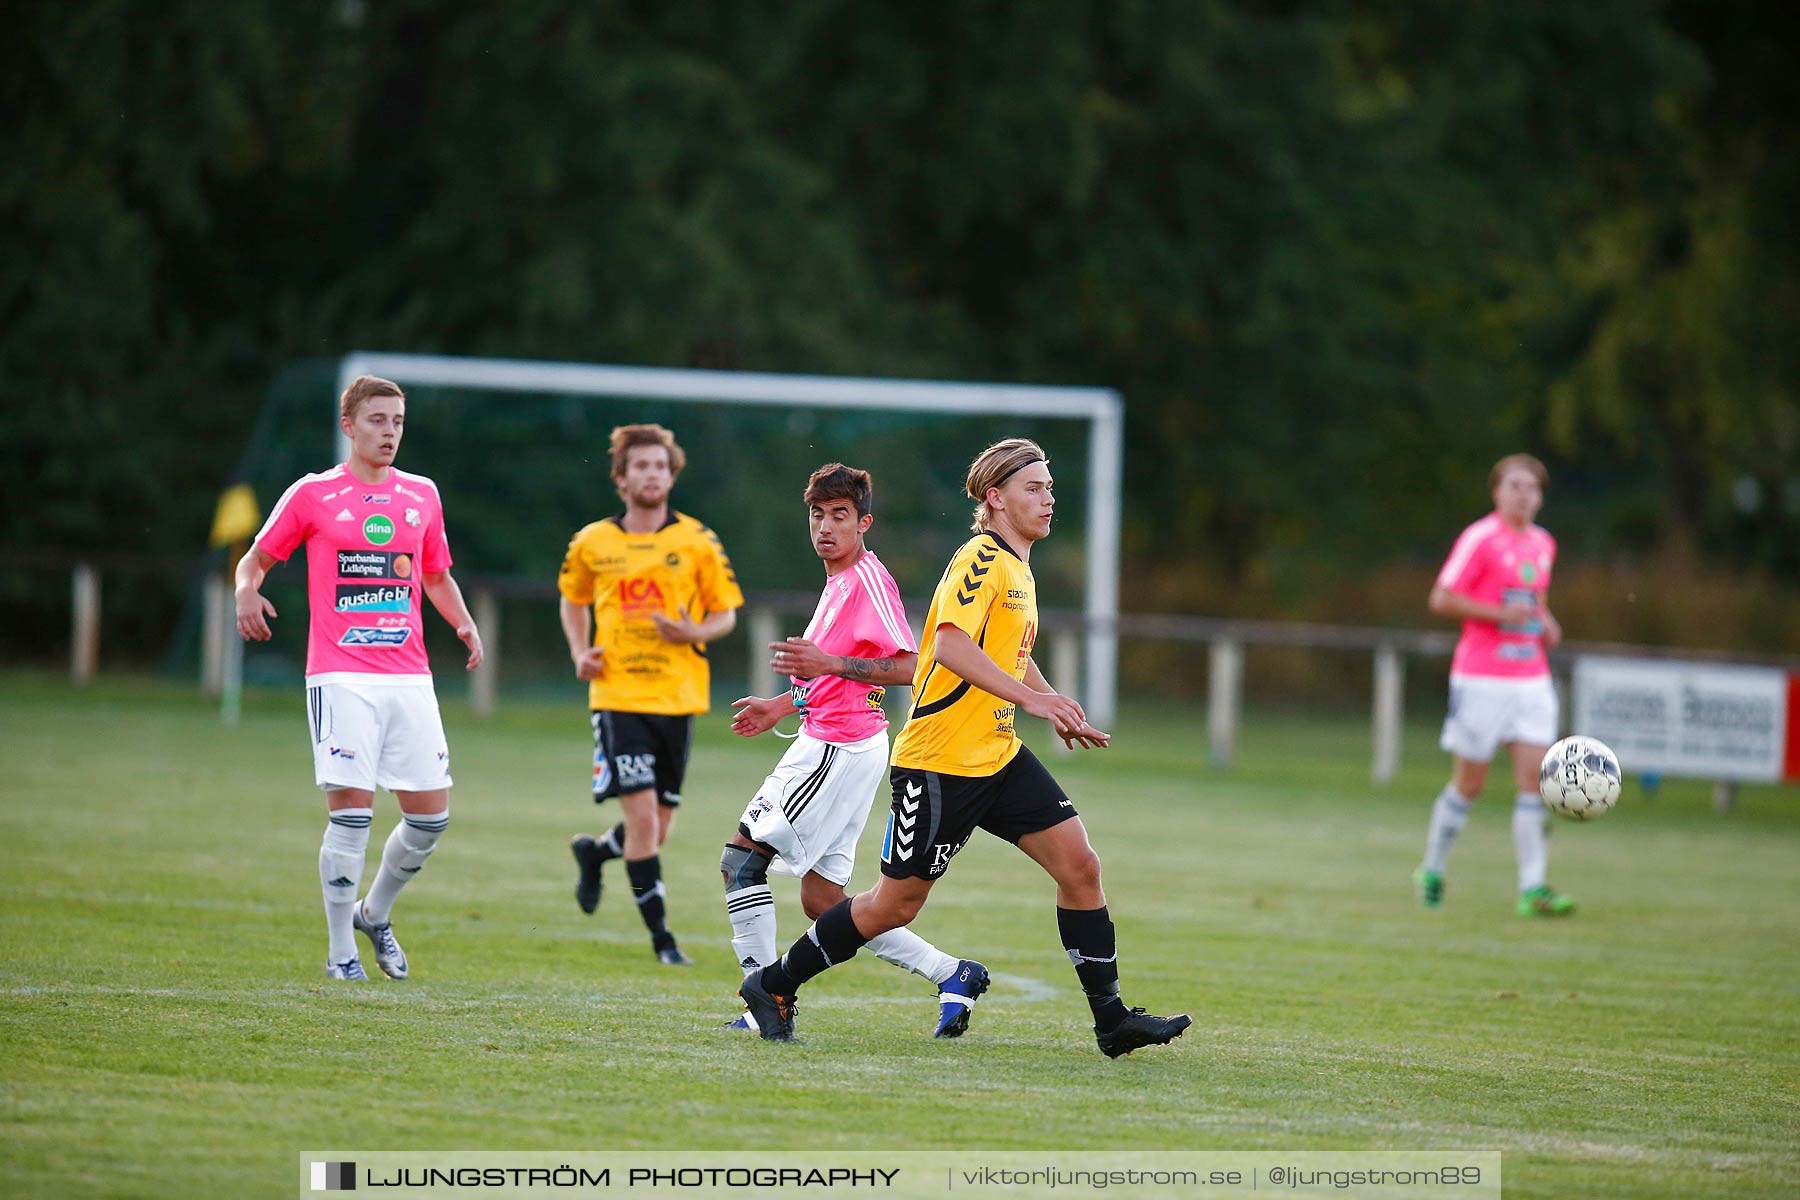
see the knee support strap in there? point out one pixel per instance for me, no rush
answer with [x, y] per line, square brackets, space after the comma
[744, 868]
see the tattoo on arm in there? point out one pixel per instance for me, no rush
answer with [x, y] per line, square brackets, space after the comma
[864, 669]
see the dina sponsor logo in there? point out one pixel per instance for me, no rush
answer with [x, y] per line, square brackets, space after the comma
[375, 639]
[379, 530]
[374, 564]
[387, 598]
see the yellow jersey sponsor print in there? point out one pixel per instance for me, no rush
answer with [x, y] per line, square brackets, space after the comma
[629, 577]
[956, 728]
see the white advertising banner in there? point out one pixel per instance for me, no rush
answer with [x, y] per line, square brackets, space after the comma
[1683, 718]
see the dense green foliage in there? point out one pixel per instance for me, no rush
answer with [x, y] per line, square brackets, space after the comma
[168, 1029]
[1325, 250]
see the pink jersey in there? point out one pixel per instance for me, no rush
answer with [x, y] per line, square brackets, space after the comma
[859, 616]
[1495, 565]
[366, 545]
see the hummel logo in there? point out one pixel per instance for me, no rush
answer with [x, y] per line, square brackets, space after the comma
[1077, 957]
[913, 790]
[344, 515]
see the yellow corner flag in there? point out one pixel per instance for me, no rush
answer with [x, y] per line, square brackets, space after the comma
[237, 516]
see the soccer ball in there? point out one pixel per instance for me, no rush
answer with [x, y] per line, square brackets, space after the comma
[1579, 779]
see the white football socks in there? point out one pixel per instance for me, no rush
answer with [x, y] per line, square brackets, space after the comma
[1449, 813]
[407, 848]
[340, 870]
[1530, 841]
[910, 952]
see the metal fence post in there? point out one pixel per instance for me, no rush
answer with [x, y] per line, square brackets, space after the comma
[217, 597]
[84, 636]
[1224, 697]
[484, 681]
[762, 629]
[1389, 699]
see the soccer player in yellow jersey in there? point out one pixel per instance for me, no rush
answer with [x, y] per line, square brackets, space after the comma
[659, 587]
[959, 765]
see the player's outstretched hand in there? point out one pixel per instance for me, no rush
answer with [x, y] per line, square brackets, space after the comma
[752, 715]
[799, 658]
[590, 663]
[471, 637]
[253, 613]
[683, 632]
[1063, 713]
[1087, 737]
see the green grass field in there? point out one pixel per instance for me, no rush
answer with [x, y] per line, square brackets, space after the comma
[168, 1030]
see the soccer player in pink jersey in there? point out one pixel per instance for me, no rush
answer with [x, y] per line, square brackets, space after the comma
[375, 547]
[809, 812]
[1496, 580]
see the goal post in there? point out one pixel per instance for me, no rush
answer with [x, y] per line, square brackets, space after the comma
[1103, 409]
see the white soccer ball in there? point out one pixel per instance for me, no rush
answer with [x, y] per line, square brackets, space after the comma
[1579, 779]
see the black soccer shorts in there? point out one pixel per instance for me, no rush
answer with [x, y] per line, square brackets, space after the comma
[634, 751]
[933, 815]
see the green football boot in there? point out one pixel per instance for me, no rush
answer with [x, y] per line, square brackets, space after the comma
[1431, 887]
[1544, 901]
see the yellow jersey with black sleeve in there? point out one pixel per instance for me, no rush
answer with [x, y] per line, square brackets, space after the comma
[956, 728]
[628, 577]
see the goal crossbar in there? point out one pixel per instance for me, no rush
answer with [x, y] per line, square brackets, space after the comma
[1102, 408]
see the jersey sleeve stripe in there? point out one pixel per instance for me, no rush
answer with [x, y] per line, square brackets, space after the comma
[1465, 548]
[873, 581]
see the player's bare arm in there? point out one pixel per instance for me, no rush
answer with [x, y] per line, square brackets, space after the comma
[577, 623]
[958, 654]
[803, 659]
[1447, 603]
[253, 608]
[1089, 737]
[685, 631]
[447, 598]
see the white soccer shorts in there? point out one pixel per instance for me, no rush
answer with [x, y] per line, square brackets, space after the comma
[812, 808]
[1488, 712]
[368, 733]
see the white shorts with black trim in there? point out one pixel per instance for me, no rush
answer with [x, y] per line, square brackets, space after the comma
[1487, 712]
[812, 808]
[382, 730]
